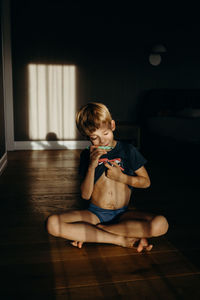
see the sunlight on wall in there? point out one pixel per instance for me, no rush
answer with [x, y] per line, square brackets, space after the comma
[52, 99]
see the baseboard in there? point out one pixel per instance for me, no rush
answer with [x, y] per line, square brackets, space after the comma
[3, 163]
[50, 145]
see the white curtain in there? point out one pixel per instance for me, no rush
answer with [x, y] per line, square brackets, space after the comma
[52, 97]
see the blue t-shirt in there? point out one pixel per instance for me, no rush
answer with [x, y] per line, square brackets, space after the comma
[125, 155]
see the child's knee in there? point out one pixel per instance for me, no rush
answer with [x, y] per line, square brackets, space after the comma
[159, 226]
[53, 225]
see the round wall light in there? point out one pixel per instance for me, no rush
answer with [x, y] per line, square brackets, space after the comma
[155, 57]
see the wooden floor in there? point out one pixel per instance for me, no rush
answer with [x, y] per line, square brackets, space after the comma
[35, 265]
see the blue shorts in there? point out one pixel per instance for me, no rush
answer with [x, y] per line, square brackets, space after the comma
[107, 215]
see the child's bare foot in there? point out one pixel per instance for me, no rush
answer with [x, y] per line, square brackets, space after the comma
[127, 242]
[77, 244]
[143, 245]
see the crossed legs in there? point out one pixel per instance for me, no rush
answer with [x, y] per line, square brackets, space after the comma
[82, 226]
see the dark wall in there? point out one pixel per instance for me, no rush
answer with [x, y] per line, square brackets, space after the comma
[110, 47]
[2, 127]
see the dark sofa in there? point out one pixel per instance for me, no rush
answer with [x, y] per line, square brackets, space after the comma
[170, 118]
[172, 113]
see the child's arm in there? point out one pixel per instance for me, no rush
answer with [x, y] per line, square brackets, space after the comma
[142, 179]
[87, 184]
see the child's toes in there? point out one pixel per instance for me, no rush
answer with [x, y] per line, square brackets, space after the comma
[140, 247]
[149, 247]
[142, 244]
[80, 244]
[75, 244]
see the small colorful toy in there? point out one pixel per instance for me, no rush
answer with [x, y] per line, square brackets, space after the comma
[103, 147]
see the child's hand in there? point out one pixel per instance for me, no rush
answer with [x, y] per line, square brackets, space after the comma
[95, 154]
[113, 172]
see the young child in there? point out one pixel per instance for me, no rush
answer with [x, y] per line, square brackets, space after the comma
[110, 169]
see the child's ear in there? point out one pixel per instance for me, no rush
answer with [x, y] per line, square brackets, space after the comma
[113, 126]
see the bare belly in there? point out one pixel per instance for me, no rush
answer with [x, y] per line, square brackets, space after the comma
[110, 194]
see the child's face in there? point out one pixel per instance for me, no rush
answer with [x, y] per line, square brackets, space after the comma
[104, 135]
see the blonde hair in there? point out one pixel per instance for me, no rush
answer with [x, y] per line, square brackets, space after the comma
[91, 116]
